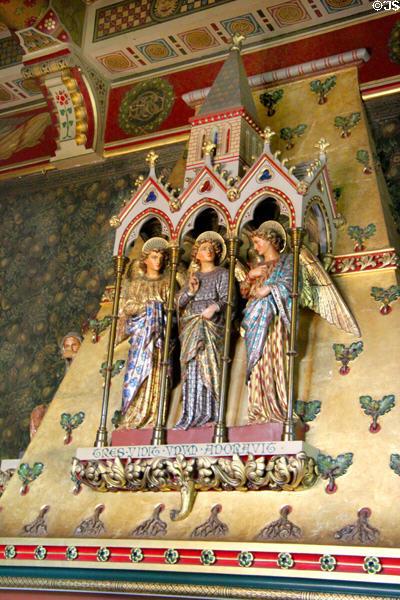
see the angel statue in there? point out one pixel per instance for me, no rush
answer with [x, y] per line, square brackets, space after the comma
[202, 303]
[142, 317]
[267, 317]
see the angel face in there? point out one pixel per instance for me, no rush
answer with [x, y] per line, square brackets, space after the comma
[154, 262]
[206, 253]
[261, 245]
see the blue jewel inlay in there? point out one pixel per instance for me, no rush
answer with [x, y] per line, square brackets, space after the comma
[265, 175]
[151, 197]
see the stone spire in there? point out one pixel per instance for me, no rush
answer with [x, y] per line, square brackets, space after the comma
[231, 88]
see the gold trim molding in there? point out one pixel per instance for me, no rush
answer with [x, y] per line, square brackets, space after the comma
[179, 590]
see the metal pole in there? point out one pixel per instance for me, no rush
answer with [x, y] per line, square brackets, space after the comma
[120, 263]
[159, 432]
[296, 235]
[220, 433]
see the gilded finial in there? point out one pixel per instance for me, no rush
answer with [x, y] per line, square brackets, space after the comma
[322, 145]
[208, 148]
[114, 221]
[151, 158]
[237, 40]
[138, 182]
[268, 134]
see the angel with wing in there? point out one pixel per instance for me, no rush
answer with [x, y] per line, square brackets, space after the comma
[267, 317]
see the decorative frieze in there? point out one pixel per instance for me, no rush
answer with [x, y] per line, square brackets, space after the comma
[332, 562]
[361, 262]
[191, 473]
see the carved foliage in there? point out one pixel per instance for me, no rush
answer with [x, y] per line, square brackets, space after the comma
[322, 88]
[38, 527]
[189, 476]
[331, 468]
[28, 474]
[376, 408]
[93, 526]
[346, 124]
[360, 531]
[151, 528]
[360, 234]
[282, 529]
[345, 354]
[213, 527]
[270, 99]
[69, 423]
[98, 326]
[386, 297]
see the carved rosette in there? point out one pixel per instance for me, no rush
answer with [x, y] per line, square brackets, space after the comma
[302, 188]
[190, 475]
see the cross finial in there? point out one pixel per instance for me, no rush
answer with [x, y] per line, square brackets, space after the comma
[268, 134]
[237, 40]
[151, 158]
[322, 145]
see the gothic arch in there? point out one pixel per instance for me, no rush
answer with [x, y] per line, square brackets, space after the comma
[133, 228]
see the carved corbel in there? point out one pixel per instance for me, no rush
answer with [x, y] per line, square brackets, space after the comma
[69, 103]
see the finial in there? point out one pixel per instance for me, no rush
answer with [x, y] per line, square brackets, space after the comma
[322, 145]
[208, 148]
[237, 40]
[138, 181]
[268, 134]
[115, 221]
[151, 158]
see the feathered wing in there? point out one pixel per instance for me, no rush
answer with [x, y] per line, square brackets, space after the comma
[319, 293]
[240, 271]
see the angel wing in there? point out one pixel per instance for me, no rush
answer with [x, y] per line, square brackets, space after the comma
[240, 271]
[319, 293]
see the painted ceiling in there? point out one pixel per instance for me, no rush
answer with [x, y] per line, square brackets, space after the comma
[129, 40]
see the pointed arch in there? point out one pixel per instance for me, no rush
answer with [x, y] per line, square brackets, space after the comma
[190, 215]
[132, 229]
[246, 211]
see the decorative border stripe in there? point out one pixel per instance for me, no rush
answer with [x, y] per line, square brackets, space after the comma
[360, 262]
[187, 555]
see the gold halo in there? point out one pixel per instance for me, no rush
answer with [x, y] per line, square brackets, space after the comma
[155, 243]
[273, 226]
[213, 235]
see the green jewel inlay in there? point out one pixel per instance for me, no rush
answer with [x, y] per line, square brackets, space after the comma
[372, 564]
[285, 560]
[245, 559]
[207, 557]
[40, 552]
[71, 553]
[136, 555]
[171, 556]
[103, 554]
[10, 552]
[327, 562]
